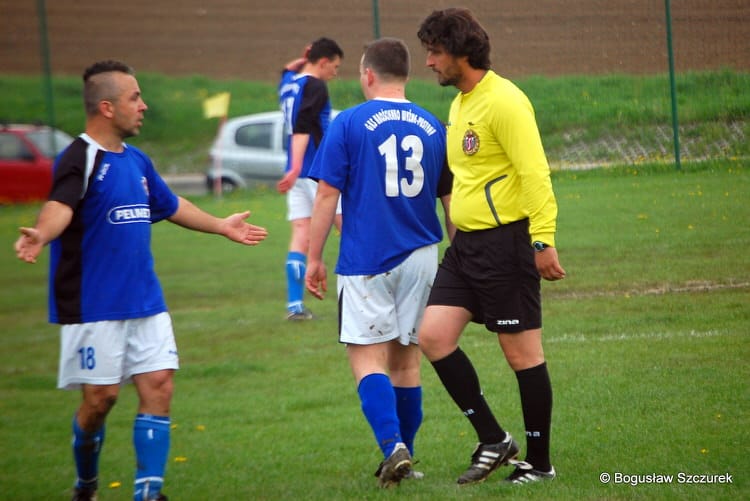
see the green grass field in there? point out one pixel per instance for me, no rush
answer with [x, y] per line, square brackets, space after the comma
[647, 342]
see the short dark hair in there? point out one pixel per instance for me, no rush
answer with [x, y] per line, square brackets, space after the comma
[388, 57]
[97, 89]
[458, 32]
[324, 47]
[106, 66]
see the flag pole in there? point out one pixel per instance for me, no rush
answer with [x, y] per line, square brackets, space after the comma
[217, 163]
[213, 107]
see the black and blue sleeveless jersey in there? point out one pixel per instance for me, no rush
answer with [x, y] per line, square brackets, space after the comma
[101, 266]
[306, 105]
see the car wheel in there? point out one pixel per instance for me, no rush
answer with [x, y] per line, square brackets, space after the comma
[227, 185]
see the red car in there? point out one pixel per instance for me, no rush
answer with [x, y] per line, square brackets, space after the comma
[26, 156]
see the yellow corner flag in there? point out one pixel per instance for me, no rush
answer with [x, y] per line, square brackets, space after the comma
[216, 106]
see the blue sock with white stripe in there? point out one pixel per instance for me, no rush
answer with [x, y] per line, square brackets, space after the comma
[151, 441]
[409, 409]
[86, 449]
[296, 265]
[379, 406]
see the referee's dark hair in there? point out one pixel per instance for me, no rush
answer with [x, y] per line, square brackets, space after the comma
[458, 32]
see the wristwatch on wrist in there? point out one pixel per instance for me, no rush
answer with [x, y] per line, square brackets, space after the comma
[539, 246]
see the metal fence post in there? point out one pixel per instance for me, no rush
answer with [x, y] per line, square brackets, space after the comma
[672, 87]
[44, 51]
[375, 19]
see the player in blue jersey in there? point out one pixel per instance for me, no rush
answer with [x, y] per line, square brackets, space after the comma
[103, 288]
[386, 159]
[303, 97]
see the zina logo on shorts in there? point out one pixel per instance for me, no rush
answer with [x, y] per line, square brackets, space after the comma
[514, 321]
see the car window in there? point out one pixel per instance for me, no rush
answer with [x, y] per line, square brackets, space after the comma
[43, 140]
[254, 135]
[12, 148]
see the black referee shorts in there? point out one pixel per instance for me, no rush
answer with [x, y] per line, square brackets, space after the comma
[492, 274]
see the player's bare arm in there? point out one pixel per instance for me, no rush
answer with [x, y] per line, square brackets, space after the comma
[450, 228]
[53, 219]
[296, 65]
[324, 213]
[298, 147]
[233, 227]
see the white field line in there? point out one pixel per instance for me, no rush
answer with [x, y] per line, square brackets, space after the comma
[695, 286]
[582, 338]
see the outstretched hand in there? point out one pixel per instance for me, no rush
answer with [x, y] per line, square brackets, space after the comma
[238, 230]
[29, 245]
[315, 278]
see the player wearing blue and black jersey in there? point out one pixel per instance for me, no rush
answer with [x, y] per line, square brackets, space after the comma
[103, 289]
[304, 100]
[96, 270]
[385, 158]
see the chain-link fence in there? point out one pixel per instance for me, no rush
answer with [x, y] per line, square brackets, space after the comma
[250, 39]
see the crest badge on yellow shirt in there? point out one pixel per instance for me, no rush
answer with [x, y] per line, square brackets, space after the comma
[470, 143]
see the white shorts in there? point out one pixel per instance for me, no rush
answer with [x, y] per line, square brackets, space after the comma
[112, 351]
[380, 308]
[301, 198]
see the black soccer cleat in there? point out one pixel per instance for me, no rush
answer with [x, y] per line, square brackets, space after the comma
[81, 494]
[526, 474]
[488, 458]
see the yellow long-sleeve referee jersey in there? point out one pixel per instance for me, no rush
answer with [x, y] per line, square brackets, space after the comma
[500, 170]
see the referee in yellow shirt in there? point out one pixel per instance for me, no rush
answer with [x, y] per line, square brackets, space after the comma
[505, 212]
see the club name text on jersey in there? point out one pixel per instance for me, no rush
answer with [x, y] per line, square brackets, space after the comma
[138, 213]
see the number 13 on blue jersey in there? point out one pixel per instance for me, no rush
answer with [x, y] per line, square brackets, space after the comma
[388, 149]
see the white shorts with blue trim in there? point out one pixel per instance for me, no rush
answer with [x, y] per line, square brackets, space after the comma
[113, 351]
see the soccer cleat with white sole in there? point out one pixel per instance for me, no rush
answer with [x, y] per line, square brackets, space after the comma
[488, 458]
[414, 475]
[526, 473]
[300, 316]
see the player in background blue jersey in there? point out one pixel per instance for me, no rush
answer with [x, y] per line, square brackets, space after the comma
[386, 159]
[304, 100]
[103, 287]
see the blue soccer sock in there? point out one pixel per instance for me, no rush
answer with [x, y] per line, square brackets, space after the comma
[409, 409]
[379, 406]
[296, 265]
[151, 441]
[86, 449]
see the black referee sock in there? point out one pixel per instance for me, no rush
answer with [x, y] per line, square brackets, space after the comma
[536, 402]
[461, 381]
